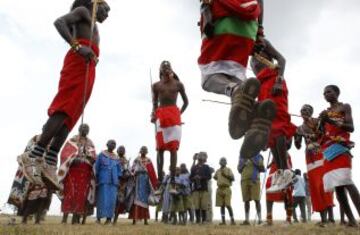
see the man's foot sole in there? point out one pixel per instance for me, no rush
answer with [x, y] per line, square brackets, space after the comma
[241, 113]
[256, 139]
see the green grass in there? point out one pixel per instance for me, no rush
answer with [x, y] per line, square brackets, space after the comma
[52, 226]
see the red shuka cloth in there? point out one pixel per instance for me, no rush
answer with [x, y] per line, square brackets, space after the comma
[152, 174]
[76, 189]
[138, 213]
[279, 196]
[229, 47]
[320, 199]
[70, 96]
[168, 128]
[281, 125]
[244, 9]
[333, 135]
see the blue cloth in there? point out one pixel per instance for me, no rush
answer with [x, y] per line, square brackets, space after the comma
[255, 173]
[142, 190]
[186, 182]
[108, 171]
[180, 185]
[299, 187]
[255, 161]
[334, 150]
[106, 201]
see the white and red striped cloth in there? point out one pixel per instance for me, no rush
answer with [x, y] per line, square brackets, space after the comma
[168, 128]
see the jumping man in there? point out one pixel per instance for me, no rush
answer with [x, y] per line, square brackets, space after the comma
[67, 106]
[167, 116]
[229, 30]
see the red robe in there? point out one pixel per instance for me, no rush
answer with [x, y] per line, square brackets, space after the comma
[320, 200]
[244, 9]
[337, 171]
[168, 128]
[77, 178]
[279, 196]
[281, 125]
[234, 37]
[70, 96]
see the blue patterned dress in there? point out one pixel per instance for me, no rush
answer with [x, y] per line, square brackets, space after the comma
[108, 170]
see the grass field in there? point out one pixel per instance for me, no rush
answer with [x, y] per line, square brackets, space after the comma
[52, 226]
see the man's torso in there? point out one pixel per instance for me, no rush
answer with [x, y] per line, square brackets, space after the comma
[83, 30]
[167, 92]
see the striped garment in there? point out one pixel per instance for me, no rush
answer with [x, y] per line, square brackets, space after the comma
[235, 32]
[337, 169]
[168, 128]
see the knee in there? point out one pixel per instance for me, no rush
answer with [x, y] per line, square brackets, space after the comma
[58, 117]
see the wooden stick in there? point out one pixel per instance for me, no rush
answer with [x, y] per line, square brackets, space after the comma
[221, 102]
[215, 101]
[265, 61]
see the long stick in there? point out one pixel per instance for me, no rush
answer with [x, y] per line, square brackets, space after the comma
[93, 21]
[215, 101]
[265, 61]
[155, 130]
[227, 103]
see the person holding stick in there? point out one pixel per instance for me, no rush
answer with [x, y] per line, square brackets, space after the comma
[167, 116]
[78, 28]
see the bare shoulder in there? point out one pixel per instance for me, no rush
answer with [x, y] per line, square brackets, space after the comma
[346, 107]
[180, 85]
[80, 10]
[90, 142]
[156, 85]
[82, 13]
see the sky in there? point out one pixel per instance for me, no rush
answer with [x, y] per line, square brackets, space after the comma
[319, 39]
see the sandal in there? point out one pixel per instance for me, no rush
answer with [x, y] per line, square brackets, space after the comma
[256, 138]
[242, 107]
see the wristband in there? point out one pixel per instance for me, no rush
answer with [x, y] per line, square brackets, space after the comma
[75, 45]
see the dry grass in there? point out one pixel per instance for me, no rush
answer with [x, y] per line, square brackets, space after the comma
[52, 226]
